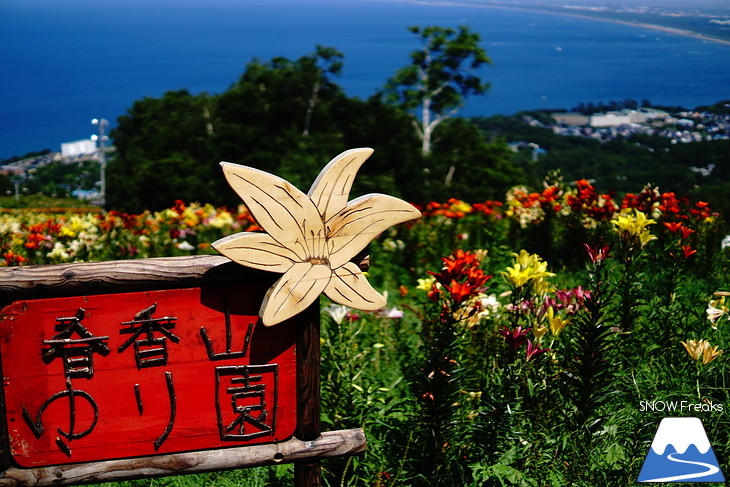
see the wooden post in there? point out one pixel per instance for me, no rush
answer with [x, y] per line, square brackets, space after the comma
[308, 392]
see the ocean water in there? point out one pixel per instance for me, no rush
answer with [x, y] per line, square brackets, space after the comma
[64, 63]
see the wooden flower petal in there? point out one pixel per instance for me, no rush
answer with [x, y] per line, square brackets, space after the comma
[331, 189]
[257, 250]
[287, 214]
[293, 292]
[363, 220]
[349, 286]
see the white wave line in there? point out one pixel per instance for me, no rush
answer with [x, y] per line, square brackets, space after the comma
[712, 469]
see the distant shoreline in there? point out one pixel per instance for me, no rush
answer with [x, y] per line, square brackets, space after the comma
[530, 8]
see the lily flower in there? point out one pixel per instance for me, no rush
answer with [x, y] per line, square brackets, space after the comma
[716, 309]
[632, 227]
[514, 338]
[310, 238]
[534, 351]
[701, 350]
[527, 267]
[710, 353]
[597, 253]
[337, 312]
[555, 322]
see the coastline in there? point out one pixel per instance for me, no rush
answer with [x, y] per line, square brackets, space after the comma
[530, 8]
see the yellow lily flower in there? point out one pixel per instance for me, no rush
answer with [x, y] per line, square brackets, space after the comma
[539, 331]
[527, 267]
[632, 227]
[426, 284]
[701, 350]
[556, 322]
[710, 353]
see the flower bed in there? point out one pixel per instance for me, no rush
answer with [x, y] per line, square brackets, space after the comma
[523, 340]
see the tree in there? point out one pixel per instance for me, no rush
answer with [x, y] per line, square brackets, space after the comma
[275, 104]
[439, 78]
[159, 138]
[466, 166]
[325, 61]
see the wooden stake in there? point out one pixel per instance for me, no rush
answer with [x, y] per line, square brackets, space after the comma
[308, 392]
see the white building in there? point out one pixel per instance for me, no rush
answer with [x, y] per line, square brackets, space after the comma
[639, 116]
[78, 148]
[610, 119]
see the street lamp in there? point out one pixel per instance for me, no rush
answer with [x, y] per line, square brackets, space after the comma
[101, 139]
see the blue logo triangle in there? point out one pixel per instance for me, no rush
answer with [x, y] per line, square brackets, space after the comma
[680, 452]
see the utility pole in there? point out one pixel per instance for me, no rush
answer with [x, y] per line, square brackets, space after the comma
[101, 139]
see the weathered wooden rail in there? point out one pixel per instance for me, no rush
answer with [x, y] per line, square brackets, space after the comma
[327, 445]
[59, 280]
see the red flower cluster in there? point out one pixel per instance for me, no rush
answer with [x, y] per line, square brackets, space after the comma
[645, 201]
[684, 234]
[669, 204]
[488, 208]
[12, 258]
[548, 199]
[701, 211]
[114, 219]
[247, 222]
[460, 276]
[453, 208]
[588, 201]
[40, 234]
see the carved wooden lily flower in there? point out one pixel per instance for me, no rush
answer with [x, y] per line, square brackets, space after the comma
[310, 238]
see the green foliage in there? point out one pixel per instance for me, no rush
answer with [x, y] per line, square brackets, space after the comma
[163, 142]
[461, 157]
[59, 179]
[622, 164]
[6, 185]
[721, 107]
[441, 70]
[42, 201]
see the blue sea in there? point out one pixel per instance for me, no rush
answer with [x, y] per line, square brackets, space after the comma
[63, 63]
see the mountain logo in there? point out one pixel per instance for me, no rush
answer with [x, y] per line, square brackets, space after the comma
[680, 452]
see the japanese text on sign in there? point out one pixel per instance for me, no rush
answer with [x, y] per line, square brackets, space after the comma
[115, 376]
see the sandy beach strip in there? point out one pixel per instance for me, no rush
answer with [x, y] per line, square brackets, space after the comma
[657, 27]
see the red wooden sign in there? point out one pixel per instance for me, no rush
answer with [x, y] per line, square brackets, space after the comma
[113, 376]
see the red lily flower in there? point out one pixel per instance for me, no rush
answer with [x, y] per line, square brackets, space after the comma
[685, 232]
[597, 254]
[688, 251]
[514, 338]
[533, 351]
